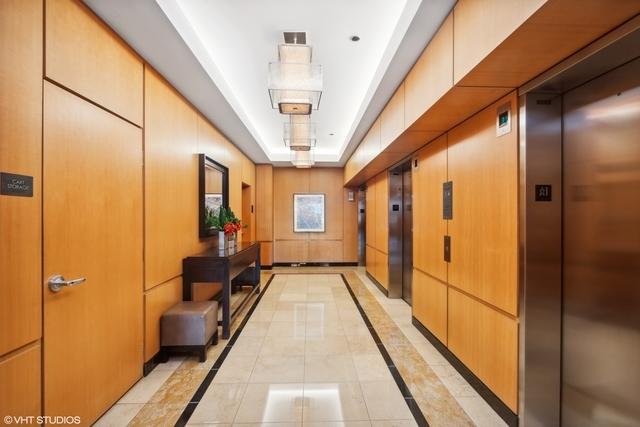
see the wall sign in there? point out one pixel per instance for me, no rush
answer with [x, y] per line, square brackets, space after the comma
[543, 192]
[503, 120]
[447, 248]
[12, 184]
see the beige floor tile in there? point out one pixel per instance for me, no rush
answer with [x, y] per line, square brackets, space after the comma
[326, 345]
[480, 412]
[457, 385]
[324, 329]
[144, 389]
[271, 403]
[394, 423]
[384, 401]
[278, 369]
[119, 415]
[338, 424]
[329, 368]
[371, 367]
[261, 316]
[247, 346]
[334, 402]
[235, 369]
[219, 404]
[293, 297]
[278, 346]
[362, 344]
[297, 314]
[256, 329]
[287, 329]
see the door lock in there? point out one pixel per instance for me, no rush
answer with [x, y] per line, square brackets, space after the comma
[57, 282]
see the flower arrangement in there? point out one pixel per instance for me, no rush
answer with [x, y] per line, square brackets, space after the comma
[223, 220]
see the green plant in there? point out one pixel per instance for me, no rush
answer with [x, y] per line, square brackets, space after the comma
[224, 217]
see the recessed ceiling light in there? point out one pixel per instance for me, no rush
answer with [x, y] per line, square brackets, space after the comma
[331, 134]
[355, 38]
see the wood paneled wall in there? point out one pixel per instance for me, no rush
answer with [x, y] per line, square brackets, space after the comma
[80, 55]
[175, 133]
[482, 51]
[20, 153]
[470, 303]
[339, 241]
[377, 228]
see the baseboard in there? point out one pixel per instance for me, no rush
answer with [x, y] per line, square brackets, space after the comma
[150, 364]
[492, 400]
[266, 267]
[384, 290]
[315, 264]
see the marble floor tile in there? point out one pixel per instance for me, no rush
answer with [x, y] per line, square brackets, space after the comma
[384, 401]
[287, 329]
[362, 344]
[144, 389]
[371, 367]
[277, 346]
[297, 314]
[236, 369]
[329, 368]
[264, 403]
[324, 329]
[219, 404]
[119, 415]
[327, 345]
[247, 346]
[334, 402]
[394, 423]
[278, 369]
[480, 412]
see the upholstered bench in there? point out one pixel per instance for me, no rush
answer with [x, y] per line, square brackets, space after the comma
[189, 326]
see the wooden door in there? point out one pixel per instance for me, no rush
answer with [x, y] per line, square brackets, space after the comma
[92, 211]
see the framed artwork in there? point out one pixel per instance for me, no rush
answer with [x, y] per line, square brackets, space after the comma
[308, 213]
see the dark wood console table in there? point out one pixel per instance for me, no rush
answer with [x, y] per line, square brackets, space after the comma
[223, 265]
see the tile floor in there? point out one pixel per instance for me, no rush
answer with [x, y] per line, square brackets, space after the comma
[305, 356]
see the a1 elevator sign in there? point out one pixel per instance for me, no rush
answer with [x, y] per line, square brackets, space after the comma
[543, 192]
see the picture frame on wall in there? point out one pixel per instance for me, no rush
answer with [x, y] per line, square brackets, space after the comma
[309, 213]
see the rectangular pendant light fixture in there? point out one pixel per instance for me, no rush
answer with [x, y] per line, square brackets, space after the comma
[299, 133]
[295, 88]
[302, 159]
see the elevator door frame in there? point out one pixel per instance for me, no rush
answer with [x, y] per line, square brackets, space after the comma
[540, 224]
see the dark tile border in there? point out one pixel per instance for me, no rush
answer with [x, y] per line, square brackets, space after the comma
[314, 264]
[406, 393]
[378, 284]
[494, 401]
[206, 382]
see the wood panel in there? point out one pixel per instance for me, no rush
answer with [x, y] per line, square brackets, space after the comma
[502, 43]
[286, 182]
[171, 219]
[83, 54]
[264, 202]
[487, 342]
[325, 250]
[291, 251]
[211, 142]
[92, 228]
[329, 182]
[20, 153]
[430, 303]
[481, 26]
[370, 213]
[429, 228]
[484, 229]
[382, 268]
[20, 383]
[432, 75]
[350, 226]
[382, 213]
[157, 301]
[235, 179]
[392, 118]
[370, 254]
[266, 253]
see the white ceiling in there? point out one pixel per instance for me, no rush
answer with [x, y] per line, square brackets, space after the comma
[235, 40]
[216, 53]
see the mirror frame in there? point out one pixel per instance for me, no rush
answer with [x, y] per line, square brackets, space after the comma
[204, 162]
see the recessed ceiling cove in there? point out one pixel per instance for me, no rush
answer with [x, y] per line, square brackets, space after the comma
[234, 41]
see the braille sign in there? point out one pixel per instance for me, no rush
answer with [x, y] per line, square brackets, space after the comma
[543, 193]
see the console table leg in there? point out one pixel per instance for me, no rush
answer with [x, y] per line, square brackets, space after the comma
[226, 305]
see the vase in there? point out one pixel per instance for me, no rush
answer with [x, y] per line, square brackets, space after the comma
[230, 241]
[222, 240]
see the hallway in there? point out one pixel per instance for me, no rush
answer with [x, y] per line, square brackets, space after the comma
[306, 355]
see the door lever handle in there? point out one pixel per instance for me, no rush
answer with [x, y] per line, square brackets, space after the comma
[57, 282]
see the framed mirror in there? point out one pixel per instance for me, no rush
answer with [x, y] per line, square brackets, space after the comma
[214, 192]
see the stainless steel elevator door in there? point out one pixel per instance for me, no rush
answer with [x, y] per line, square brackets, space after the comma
[601, 251]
